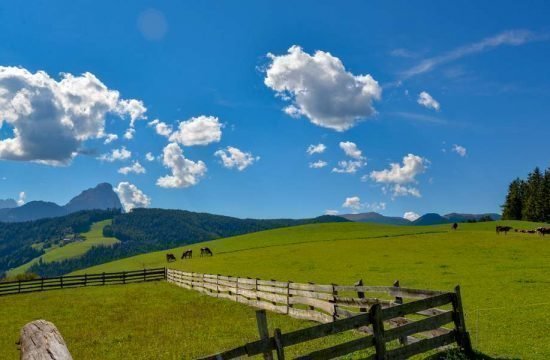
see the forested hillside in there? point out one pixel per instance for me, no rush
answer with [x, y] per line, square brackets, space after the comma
[529, 199]
[145, 230]
[21, 242]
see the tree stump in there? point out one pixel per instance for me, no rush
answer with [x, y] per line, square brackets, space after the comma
[40, 340]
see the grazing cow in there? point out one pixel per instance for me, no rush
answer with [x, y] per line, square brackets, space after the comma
[503, 229]
[206, 252]
[531, 231]
[455, 226]
[170, 257]
[187, 254]
[543, 230]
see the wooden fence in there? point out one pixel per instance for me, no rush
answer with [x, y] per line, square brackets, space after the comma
[414, 319]
[70, 281]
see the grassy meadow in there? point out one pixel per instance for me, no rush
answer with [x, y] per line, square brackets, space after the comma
[94, 237]
[141, 321]
[504, 278]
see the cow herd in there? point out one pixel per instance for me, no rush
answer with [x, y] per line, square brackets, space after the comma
[540, 230]
[188, 254]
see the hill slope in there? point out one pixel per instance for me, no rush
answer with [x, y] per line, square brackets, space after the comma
[482, 262]
[374, 217]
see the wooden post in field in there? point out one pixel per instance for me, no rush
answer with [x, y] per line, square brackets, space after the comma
[334, 295]
[378, 331]
[41, 284]
[85, 279]
[103, 278]
[61, 281]
[19, 286]
[463, 337]
[360, 294]
[311, 307]
[40, 340]
[261, 318]
[399, 301]
[279, 345]
[124, 277]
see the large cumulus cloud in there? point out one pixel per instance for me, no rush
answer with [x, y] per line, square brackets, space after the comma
[320, 88]
[50, 119]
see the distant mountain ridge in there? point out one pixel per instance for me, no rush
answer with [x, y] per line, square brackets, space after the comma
[426, 219]
[374, 217]
[7, 203]
[101, 197]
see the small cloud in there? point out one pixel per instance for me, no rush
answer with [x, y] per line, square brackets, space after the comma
[234, 158]
[149, 157]
[135, 168]
[351, 150]
[411, 216]
[131, 197]
[201, 130]
[318, 164]
[331, 212]
[184, 172]
[460, 150]
[353, 203]
[348, 166]
[316, 149]
[116, 155]
[428, 101]
[22, 198]
[109, 138]
[161, 128]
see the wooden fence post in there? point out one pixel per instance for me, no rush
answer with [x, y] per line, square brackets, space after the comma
[61, 281]
[41, 284]
[375, 314]
[288, 296]
[261, 318]
[19, 286]
[85, 279]
[279, 345]
[311, 307]
[399, 301]
[334, 295]
[463, 337]
[103, 278]
[360, 294]
[124, 277]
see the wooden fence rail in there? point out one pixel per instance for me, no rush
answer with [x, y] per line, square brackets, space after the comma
[415, 319]
[70, 281]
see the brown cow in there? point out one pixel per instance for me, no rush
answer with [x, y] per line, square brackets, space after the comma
[503, 229]
[187, 254]
[170, 257]
[206, 252]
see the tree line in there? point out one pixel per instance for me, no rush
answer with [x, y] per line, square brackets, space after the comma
[529, 199]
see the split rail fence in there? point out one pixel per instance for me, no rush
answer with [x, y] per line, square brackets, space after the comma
[70, 281]
[399, 322]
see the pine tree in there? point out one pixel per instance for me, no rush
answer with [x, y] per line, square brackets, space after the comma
[534, 197]
[546, 196]
[513, 207]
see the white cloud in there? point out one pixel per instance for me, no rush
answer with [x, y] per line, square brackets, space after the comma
[185, 172]
[51, 120]
[353, 203]
[135, 168]
[149, 157]
[351, 150]
[403, 190]
[348, 166]
[201, 130]
[318, 164]
[460, 150]
[116, 155]
[109, 138]
[131, 197]
[22, 198]
[129, 134]
[234, 158]
[428, 101]
[331, 212]
[319, 88]
[376, 206]
[511, 38]
[411, 216]
[161, 128]
[397, 174]
[316, 149]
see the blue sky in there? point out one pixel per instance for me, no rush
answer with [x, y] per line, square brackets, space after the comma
[220, 76]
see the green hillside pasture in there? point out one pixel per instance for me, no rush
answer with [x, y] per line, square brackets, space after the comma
[94, 237]
[504, 278]
[142, 321]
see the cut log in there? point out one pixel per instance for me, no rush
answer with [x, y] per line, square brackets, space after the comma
[40, 340]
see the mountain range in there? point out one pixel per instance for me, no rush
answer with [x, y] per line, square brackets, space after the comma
[427, 219]
[101, 197]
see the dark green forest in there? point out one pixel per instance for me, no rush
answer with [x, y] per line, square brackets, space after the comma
[146, 230]
[529, 199]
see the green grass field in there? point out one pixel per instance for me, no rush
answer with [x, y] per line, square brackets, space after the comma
[504, 279]
[94, 237]
[504, 282]
[141, 321]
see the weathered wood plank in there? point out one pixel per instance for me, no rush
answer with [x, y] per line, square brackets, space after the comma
[272, 289]
[431, 323]
[311, 287]
[319, 304]
[415, 306]
[40, 340]
[309, 315]
[311, 294]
